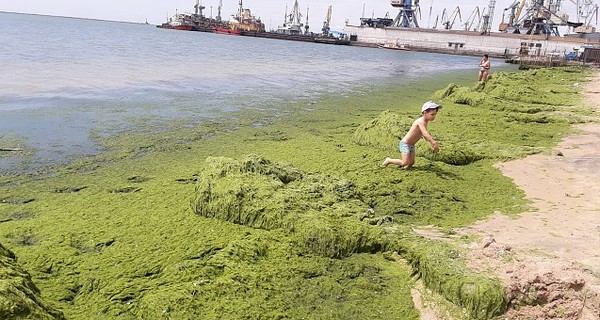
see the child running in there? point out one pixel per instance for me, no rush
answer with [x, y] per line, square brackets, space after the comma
[417, 131]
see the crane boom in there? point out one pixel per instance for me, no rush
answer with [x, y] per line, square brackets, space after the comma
[519, 10]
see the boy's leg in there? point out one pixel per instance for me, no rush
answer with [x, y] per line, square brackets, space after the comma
[410, 160]
[397, 162]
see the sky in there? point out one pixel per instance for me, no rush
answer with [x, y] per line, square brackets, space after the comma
[271, 12]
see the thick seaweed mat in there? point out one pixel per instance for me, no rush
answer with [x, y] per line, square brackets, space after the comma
[127, 235]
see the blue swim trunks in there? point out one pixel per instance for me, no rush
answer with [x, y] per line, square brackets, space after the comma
[406, 148]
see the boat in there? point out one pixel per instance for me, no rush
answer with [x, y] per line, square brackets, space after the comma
[292, 30]
[245, 21]
[226, 30]
[179, 21]
[193, 21]
[395, 45]
[242, 21]
[292, 24]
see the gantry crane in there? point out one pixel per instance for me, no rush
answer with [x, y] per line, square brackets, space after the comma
[407, 17]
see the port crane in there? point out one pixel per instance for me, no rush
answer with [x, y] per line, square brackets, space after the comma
[488, 17]
[448, 22]
[326, 24]
[473, 19]
[544, 17]
[586, 11]
[295, 17]
[514, 12]
[292, 23]
[407, 17]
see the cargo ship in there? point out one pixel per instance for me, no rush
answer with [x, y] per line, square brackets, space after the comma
[194, 21]
[294, 30]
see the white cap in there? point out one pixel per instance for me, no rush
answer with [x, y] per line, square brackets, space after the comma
[430, 105]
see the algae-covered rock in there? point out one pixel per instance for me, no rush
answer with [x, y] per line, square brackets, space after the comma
[463, 95]
[19, 296]
[455, 154]
[384, 131]
[442, 269]
[324, 213]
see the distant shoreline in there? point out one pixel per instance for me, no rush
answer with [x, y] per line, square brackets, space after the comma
[77, 18]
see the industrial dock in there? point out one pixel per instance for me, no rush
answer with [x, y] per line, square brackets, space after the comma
[529, 30]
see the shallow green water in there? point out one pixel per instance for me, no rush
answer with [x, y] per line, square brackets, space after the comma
[120, 236]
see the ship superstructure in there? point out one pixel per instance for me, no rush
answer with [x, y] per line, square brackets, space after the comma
[243, 20]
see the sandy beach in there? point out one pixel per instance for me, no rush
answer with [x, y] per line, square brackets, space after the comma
[554, 249]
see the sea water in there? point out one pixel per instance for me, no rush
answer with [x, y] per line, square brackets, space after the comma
[66, 80]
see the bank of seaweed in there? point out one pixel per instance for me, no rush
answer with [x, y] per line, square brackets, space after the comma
[185, 224]
[19, 296]
[326, 216]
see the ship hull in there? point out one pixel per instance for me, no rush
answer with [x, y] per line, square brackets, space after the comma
[221, 30]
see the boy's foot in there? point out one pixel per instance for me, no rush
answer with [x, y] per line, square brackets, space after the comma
[385, 162]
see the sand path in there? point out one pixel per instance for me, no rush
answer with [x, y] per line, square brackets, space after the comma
[551, 254]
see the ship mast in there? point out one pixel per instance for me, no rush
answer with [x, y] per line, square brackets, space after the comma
[219, 10]
[198, 8]
[306, 27]
[240, 11]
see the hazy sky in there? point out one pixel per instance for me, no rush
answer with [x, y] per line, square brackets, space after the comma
[271, 12]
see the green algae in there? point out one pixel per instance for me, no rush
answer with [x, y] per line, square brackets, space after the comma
[324, 213]
[19, 296]
[311, 220]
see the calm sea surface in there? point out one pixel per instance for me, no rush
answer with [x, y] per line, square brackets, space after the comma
[64, 80]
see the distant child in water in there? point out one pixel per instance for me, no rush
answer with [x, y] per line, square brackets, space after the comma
[417, 131]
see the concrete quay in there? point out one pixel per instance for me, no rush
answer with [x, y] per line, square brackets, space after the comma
[501, 45]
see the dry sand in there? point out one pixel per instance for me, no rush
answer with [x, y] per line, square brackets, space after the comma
[551, 255]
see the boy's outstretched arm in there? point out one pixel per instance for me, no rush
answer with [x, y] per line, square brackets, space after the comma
[428, 137]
